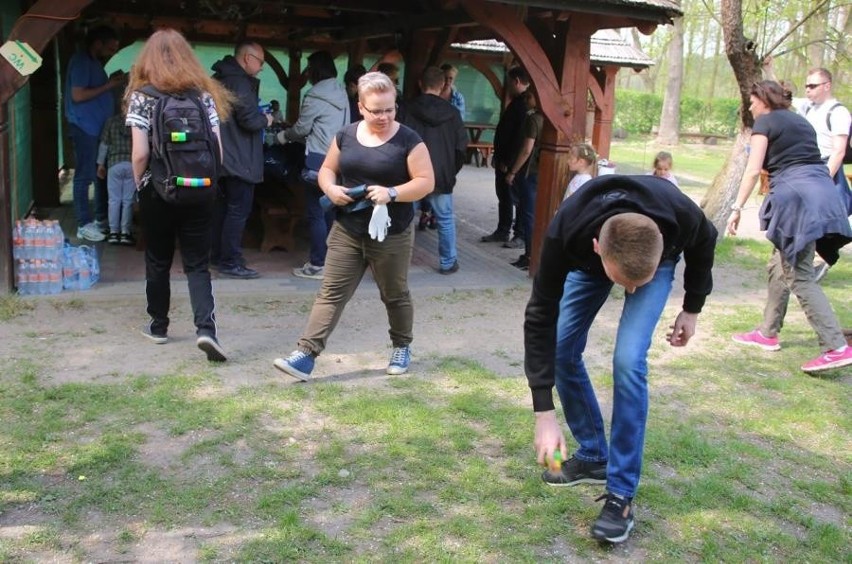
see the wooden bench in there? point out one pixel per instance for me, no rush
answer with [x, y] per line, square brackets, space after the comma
[481, 152]
[279, 220]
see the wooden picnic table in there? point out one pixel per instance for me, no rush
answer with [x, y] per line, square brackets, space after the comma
[475, 130]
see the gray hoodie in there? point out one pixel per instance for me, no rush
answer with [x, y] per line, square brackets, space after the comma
[324, 111]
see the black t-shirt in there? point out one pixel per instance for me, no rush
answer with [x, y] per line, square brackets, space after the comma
[792, 140]
[385, 165]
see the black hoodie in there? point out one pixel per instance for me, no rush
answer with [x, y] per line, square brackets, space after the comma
[568, 246]
[440, 126]
[242, 138]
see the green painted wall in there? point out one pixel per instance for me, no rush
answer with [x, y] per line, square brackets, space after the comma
[20, 140]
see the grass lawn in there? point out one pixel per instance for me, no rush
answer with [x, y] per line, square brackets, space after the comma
[746, 460]
[695, 164]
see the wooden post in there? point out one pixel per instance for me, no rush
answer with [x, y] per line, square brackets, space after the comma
[604, 108]
[294, 85]
[45, 108]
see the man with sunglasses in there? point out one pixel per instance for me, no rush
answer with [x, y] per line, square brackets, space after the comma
[242, 168]
[831, 120]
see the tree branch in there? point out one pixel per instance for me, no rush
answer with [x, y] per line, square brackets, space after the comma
[781, 40]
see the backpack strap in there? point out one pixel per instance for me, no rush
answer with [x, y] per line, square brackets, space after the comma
[828, 115]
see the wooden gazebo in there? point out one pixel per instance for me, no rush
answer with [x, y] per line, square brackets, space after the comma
[550, 38]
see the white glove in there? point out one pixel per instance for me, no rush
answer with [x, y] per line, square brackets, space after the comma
[379, 222]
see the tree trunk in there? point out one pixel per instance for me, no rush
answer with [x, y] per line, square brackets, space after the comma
[670, 116]
[747, 70]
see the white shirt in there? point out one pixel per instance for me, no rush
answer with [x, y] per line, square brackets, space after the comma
[840, 120]
[579, 179]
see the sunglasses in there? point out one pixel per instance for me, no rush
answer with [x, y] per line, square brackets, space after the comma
[812, 86]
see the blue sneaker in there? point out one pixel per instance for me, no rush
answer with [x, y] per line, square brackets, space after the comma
[399, 360]
[298, 365]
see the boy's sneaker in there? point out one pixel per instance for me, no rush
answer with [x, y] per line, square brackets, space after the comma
[212, 348]
[615, 521]
[158, 338]
[90, 232]
[298, 365]
[575, 471]
[309, 271]
[114, 239]
[756, 339]
[399, 361]
[128, 239]
[830, 360]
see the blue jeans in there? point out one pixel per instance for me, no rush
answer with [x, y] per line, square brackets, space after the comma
[528, 190]
[583, 297]
[229, 221]
[319, 224]
[85, 173]
[442, 208]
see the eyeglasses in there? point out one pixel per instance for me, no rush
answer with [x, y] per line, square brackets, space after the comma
[259, 60]
[380, 113]
[812, 86]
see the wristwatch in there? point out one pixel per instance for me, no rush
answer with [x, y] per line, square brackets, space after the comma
[392, 194]
[736, 207]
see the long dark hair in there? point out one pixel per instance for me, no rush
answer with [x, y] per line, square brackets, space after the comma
[772, 94]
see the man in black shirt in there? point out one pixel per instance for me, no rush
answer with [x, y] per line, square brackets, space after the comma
[630, 231]
[508, 138]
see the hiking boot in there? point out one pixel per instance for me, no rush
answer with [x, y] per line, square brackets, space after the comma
[298, 365]
[495, 237]
[128, 240]
[615, 521]
[211, 347]
[239, 272]
[756, 339]
[514, 243]
[157, 338]
[452, 269]
[523, 262]
[829, 360]
[308, 270]
[399, 360]
[575, 471]
[90, 232]
[114, 239]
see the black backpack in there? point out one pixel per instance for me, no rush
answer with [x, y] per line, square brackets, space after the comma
[185, 159]
[847, 156]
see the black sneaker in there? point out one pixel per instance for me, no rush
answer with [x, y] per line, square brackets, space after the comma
[523, 262]
[495, 237]
[211, 347]
[128, 240]
[239, 272]
[114, 239]
[615, 521]
[575, 472]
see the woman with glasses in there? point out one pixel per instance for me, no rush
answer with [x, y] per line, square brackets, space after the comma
[392, 163]
[802, 214]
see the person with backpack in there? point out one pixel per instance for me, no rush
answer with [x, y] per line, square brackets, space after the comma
[831, 121]
[243, 162]
[173, 110]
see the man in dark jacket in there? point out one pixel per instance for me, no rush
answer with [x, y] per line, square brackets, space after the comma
[242, 144]
[630, 231]
[441, 128]
[508, 138]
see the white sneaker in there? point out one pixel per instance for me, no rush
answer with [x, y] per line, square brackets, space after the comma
[91, 232]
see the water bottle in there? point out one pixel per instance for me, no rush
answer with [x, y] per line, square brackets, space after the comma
[40, 240]
[29, 240]
[17, 240]
[54, 272]
[22, 280]
[59, 241]
[70, 274]
[85, 276]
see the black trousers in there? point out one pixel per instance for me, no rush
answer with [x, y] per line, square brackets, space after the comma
[505, 203]
[162, 224]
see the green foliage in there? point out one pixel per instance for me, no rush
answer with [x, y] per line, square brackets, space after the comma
[639, 112]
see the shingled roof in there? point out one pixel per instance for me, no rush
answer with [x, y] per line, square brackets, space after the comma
[607, 48]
